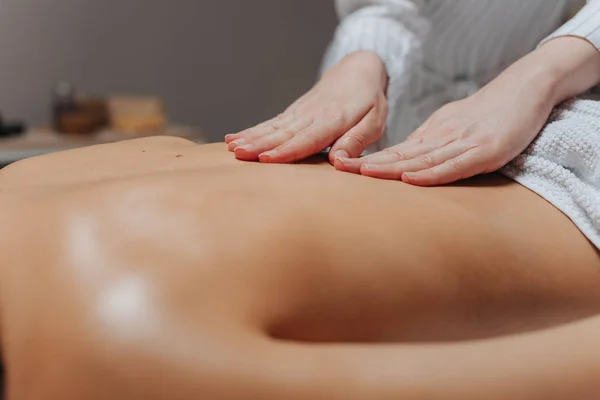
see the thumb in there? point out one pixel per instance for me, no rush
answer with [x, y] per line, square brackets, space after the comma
[358, 138]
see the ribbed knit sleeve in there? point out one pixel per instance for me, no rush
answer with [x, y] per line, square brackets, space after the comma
[585, 24]
[394, 29]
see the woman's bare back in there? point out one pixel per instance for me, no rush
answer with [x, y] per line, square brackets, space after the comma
[158, 244]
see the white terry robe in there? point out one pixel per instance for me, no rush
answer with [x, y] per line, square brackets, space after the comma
[438, 51]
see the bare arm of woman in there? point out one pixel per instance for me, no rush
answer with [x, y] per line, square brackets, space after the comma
[485, 131]
[367, 66]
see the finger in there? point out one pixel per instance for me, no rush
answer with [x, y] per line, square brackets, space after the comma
[421, 145]
[313, 138]
[464, 166]
[402, 152]
[284, 133]
[354, 165]
[332, 121]
[356, 140]
[234, 136]
[250, 152]
[289, 112]
[262, 129]
[423, 162]
[230, 137]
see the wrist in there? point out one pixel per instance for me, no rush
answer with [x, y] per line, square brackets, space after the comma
[546, 83]
[564, 67]
[526, 79]
[369, 63]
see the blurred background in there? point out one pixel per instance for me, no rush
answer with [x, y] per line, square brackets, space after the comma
[212, 66]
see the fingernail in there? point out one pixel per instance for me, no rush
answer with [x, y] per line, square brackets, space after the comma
[267, 154]
[409, 175]
[246, 147]
[341, 154]
[228, 136]
[234, 145]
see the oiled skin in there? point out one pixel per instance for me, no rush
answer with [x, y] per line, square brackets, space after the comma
[158, 269]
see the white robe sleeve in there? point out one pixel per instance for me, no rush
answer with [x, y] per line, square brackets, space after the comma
[394, 29]
[586, 24]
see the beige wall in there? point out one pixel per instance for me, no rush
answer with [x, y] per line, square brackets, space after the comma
[220, 64]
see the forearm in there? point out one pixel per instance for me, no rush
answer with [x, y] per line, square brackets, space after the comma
[393, 29]
[559, 69]
[567, 63]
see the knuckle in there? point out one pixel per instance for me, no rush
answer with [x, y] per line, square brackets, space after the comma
[277, 122]
[357, 139]
[401, 156]
[456, 164]
[398, 154]
[288, 131]
[427, 160]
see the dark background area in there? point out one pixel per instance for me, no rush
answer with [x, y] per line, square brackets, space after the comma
[220, 65]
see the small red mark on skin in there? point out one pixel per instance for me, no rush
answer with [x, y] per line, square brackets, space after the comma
[179, 156]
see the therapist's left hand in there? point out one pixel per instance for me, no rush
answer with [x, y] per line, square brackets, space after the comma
[476, 135]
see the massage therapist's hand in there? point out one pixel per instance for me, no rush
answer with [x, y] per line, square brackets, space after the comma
[485, 131]
[346, 109]
[479, 134]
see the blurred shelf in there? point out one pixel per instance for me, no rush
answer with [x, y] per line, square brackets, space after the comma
[43, 141]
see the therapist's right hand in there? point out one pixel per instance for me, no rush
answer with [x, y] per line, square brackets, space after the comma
[346, 109]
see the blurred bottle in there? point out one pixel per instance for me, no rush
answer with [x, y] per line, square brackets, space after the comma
[76, 115]
[64, 101]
